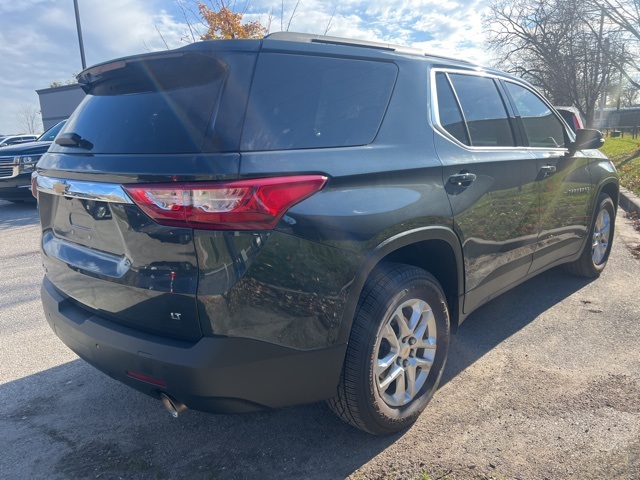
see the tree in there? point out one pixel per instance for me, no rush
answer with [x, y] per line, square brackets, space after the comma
[625, 15]
[223, 23]
[28, 119]
[628, 95]
[622, 94]
[219, 19]
[71, 81]
[561, 46]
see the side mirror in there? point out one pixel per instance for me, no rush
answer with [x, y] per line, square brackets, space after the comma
[586, 139]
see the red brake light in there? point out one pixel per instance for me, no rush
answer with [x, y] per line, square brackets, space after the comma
[256, 204]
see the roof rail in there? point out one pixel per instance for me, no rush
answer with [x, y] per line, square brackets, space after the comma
[314, 38]
[311, 38]
[447, 57]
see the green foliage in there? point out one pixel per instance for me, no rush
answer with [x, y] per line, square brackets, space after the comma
[624, 152]
[71, 81]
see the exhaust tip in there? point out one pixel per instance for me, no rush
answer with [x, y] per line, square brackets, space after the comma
[174, 407]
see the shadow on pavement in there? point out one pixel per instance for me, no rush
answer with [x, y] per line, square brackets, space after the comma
[498, 320]
[73, 422]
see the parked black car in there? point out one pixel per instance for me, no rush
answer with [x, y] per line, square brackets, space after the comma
[17, 163]
[247, 224]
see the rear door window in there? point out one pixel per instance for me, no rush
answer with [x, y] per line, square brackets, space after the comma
[542, 127]
[299, 101]
[484, 111]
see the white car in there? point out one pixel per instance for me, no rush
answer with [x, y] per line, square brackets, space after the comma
[13, 139]
[572, 116]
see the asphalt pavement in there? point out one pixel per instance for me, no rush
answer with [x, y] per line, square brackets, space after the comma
[543, 382]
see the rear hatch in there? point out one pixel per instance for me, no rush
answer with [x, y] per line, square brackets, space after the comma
[157, 118]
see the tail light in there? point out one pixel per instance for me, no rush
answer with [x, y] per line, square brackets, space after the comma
[34, 185]
[256, 204]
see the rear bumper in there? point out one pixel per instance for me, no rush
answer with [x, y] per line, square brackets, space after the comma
[215, 374]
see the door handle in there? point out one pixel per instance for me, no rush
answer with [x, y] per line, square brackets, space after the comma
[462, 179]
[548, 170]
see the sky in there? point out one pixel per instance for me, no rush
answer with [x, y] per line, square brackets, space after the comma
[39, 39]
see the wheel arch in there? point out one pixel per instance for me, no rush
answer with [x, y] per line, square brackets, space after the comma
[434, 249]
[610, 187]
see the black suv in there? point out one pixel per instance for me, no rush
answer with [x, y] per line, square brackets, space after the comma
[17, 163]
[248, 224]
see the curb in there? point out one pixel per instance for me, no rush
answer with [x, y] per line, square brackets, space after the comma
[629, 201]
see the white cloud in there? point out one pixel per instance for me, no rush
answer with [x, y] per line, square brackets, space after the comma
[110, 32]
[39, 44]
[449, 25]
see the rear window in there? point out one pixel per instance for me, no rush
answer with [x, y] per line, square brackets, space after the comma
[156, 105]
[301, 101]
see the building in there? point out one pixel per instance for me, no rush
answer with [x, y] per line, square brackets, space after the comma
[612, 118]
[58, 103]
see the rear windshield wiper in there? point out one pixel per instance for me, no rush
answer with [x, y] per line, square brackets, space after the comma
[73, 140]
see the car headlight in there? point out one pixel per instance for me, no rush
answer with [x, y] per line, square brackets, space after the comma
[27, 163]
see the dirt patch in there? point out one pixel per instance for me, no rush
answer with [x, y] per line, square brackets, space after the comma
[635, 223]
[635, 219]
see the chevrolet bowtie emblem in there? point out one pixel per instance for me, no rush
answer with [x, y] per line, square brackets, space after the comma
[61, 187]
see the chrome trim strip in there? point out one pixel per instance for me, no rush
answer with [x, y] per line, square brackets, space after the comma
[101, 192]
[9, 162]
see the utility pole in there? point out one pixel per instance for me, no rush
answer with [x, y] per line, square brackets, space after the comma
[599, 56]
[75, 6]
[620, 81]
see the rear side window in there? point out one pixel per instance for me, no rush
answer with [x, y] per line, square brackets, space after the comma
[156, 105]
[484, 111]
[449, 110]
[301, 101]
[542, 127]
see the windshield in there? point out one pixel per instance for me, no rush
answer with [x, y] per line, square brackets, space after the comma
[50, 135]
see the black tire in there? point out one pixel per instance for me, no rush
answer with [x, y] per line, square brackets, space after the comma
[597, 247]
[365, 399]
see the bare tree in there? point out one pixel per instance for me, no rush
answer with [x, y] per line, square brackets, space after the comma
[625, 16]
[561, 46]
[291, 16]
[329, 23]
[28, 119]
[163, 40]
[629, 95]
[188, 15]
[622, 94]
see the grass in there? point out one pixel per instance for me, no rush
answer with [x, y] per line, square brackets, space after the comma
[625, 154]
